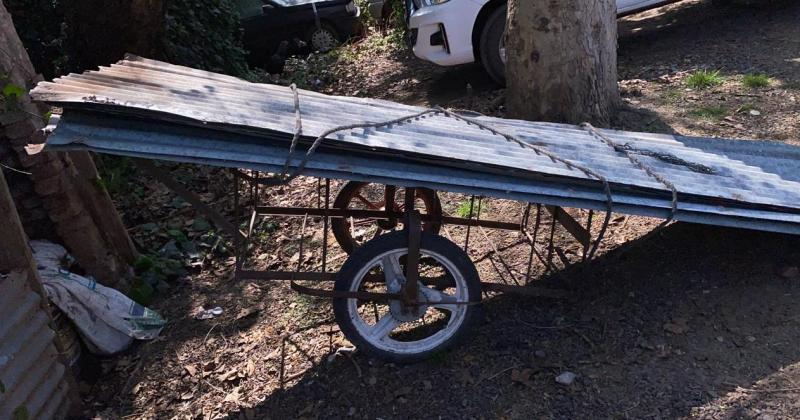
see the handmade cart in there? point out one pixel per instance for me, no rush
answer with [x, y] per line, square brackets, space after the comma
[407, 289]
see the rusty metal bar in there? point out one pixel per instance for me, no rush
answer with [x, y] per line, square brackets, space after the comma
[284, 275]
[469, 226]
[325, 222]
[388, 202]
[589, 230]
[532, 240]
[414, 229]
[341, 294]
[499, 255]
[190, 197]
[374, 278]
[381, 215]
[570, 224]
[302, 236]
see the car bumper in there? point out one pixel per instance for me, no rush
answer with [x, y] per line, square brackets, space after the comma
[439, 33]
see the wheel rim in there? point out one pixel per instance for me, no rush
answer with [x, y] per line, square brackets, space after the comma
[391, 330]
[323, 40]
[373, 197]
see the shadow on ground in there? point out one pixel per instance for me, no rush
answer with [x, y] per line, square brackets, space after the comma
[661, 327]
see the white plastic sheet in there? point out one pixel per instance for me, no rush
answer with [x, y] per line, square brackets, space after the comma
[107, 320]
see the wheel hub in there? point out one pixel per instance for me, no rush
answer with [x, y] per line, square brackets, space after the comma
[323, 41]
[404, 313]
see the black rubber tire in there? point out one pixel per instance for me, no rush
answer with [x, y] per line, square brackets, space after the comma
[341, 227]
[493, 31]
[397, 240]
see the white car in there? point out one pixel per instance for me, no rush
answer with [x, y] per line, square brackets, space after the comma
[451, 32]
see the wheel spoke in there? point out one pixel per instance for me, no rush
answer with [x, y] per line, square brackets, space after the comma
[364, 222]
[384, 327]
[439, 300]
[368, 203]
[393, 273]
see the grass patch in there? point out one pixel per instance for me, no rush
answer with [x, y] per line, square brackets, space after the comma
[709, 112]
[756, 80]
[703, 79]
[463, 209]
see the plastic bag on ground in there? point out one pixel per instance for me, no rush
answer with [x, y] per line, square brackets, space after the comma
[107, 320]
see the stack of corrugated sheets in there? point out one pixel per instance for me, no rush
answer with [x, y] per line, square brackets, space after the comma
[151, 109]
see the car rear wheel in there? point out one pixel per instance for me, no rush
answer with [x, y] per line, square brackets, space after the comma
[493, 45]
[323, 38]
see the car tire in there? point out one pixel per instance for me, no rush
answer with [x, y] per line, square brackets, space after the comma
[323, 38]
[492, 37]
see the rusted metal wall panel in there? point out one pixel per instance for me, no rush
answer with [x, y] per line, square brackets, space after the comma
[33, 383]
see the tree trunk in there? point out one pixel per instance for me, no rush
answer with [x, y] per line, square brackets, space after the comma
[102, 31]
[84, 217]
[562, 60]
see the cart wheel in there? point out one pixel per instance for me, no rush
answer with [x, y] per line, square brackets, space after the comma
[367, 196]
[396, 333]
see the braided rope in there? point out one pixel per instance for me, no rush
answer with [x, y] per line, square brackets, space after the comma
[639, 164]
[285, 176]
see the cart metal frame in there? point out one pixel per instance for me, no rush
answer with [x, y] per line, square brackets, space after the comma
[250, 210]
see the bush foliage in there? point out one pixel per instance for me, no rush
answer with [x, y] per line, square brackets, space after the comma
[40, 25]
[202, 34]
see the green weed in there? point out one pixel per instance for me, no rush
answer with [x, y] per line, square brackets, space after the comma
[755, 80]
[466, 209]
[709, 112]
[703, 79]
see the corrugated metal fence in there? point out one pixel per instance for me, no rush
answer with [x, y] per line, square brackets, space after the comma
[33, 382]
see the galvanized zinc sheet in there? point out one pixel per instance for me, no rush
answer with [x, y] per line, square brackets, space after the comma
[742, 181]
[165, 141]
[32, 378]
[170, 92]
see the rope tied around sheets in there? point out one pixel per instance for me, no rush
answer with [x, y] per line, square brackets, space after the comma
[288, 174]
[622, 148]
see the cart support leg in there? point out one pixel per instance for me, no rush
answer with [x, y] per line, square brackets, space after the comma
[414, 229]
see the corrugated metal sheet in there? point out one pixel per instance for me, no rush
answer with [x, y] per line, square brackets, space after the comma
[190, 115]
[32, 378]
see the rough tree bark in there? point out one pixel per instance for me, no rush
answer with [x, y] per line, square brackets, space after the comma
[562, 60]
[85, 218]
[102, 31]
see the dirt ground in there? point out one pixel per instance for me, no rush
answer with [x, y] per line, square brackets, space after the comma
[684, 321]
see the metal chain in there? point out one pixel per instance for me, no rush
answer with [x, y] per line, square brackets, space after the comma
[639, 164]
